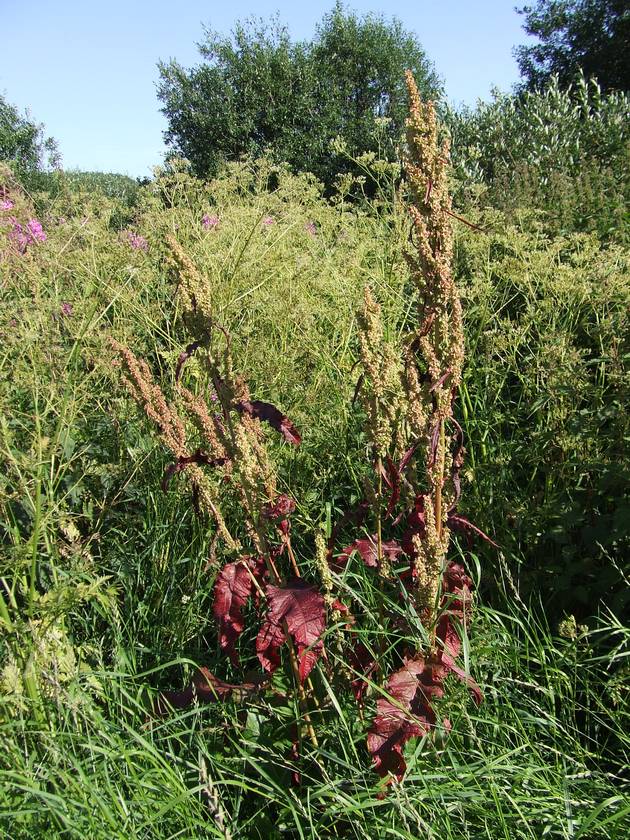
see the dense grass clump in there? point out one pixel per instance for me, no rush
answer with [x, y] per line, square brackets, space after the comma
[105, 597]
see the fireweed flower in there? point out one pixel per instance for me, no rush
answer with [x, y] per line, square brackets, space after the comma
[209, 221]
[66, 309]
[6, 204]
[268, 220]
[311, 227]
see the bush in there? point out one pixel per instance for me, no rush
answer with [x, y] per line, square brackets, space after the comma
[259, 92]
[538, 149]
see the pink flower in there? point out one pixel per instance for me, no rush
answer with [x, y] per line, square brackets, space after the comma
[209, 221]
[268, 220]
[22, 237]
[137, 242]
[6, 204]
[311, 228]
[66, 309]
[18, 236]
[35, 231]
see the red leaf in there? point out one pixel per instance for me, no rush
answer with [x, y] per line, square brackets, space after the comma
[460, 522]
[231, 592]
[205, 687]
[270, 414]
[186, 354]
[407, 713]
[368, 551]
[472, 686]
[281, 508]
[198, 457]
[448, 635]
[299, 609]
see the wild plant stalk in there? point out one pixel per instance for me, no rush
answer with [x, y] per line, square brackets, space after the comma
[229, 439]
[409, 400]
[408, 396]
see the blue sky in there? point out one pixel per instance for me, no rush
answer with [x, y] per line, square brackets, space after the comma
[87, 70]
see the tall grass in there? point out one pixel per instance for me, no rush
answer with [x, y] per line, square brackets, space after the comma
[104, 597]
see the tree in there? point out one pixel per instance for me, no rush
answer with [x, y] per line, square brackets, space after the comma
[257, 92]
[361, 64]
[253, 92]
[588, 35]
[22, 142]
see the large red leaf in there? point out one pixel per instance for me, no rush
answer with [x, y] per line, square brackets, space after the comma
[206, 687]
[299, 609]
[368, 551]
[404, 714]
[231, 591]
[270, 414]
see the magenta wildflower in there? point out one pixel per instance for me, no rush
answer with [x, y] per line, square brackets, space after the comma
[6, 204]
[311, 228]
[209, 221]
[268, 220]
[137, 242]
[66, 309]
[35, 230]
[18, 236]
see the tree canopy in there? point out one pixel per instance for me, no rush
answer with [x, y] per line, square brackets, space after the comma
[22, 141]
[259, 92]
[588, 35]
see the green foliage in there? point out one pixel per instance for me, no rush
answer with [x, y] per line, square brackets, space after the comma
[562, 151]
[23, 145]
[105, 593]
[587, 36]
[112, 185]
[544, 406]
[259, 92]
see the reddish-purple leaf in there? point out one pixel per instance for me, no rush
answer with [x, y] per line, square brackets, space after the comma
[198, 457]
[368, 551]
[456, 587]
[298, 609]
[404, 714]
[362, 660]
[458, 461]
[206, 687]
[439, 382]
[186, 354]
[280, 509]
[458, 522]
[450, 666]
[231, 591]
[270, 414]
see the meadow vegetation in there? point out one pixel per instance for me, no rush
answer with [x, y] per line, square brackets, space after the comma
[108, 572]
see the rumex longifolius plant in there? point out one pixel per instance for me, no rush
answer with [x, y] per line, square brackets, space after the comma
[217, 437]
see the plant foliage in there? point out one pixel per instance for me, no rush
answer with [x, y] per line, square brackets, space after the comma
[259, 92]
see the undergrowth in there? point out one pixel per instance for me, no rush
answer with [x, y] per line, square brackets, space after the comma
[105, 598]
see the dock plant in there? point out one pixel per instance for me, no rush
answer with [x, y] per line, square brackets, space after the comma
[216, 435]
